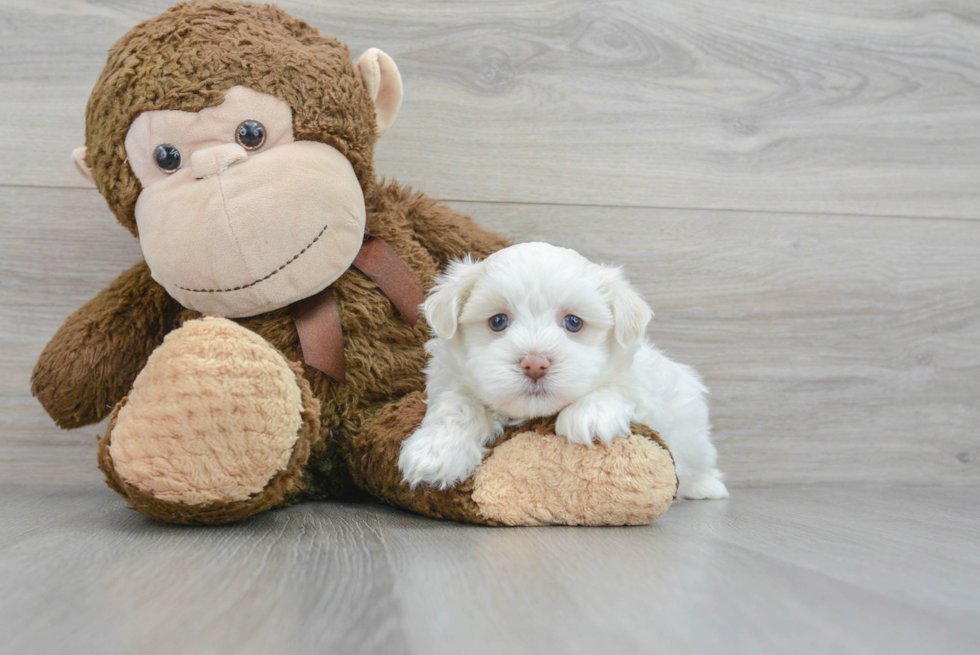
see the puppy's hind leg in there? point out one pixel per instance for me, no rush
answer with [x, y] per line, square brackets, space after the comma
[703, 485]
[680, 414]
[689, 439]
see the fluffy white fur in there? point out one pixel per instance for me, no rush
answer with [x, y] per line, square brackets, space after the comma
[598, 379]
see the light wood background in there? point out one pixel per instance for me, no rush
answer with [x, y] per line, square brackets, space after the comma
[794, 185]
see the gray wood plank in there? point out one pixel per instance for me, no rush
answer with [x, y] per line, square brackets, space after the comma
[102, 579]
[819, 570]
[894, 542]
[803, 106]
[838, 349]
[688, 584]
[58, 248]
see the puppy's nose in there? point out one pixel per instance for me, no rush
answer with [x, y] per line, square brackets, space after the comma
[535, 366]
[207, 162]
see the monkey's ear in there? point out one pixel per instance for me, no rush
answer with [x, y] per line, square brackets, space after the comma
[448, 296]
[78, 156]
[383, 83]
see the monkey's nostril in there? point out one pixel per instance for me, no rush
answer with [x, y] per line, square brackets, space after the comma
[210, 161]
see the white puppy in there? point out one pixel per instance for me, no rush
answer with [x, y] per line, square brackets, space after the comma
[534, 330]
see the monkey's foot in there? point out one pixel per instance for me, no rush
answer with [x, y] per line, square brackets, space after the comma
[530, 477]
[218, 426]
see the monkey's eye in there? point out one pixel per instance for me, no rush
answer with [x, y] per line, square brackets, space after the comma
[167, 157]
[250, 135]
[572, 323]
[499, 322]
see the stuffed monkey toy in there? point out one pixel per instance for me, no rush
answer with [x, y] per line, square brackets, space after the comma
[269, 350]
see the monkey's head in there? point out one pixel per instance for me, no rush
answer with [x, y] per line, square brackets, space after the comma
[236, 142]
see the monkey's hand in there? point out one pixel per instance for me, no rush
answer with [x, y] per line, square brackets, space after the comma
[92, 360]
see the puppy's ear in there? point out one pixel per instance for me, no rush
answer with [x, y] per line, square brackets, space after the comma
[631, 313]
[448, 296]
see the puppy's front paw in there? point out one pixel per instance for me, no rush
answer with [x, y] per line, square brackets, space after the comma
[438, 457]
[592, 419]
[704, 486]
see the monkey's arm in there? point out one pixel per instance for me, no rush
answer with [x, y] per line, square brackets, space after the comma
[92, 360]
[450, 235]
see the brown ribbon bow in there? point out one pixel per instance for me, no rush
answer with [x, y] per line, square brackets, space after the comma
[318, 318]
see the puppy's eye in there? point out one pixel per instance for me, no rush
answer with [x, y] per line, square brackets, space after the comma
[499, 322]
[167, 157]
[573, 323]
[250, 135]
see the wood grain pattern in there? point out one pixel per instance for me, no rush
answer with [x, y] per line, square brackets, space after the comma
[848, 570]
[838, 349]
[802, 105]
[58, 247]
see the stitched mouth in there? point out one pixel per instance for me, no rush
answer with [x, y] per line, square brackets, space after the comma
[261, 279]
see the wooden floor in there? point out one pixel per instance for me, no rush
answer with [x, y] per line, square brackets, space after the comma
[795, 187]
[781, 570]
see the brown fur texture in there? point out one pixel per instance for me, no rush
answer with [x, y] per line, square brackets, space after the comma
[93, 359]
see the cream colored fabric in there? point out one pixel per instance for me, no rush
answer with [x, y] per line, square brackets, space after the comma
[235, 232]
[191, 131]
[264, 233]
[535, 479]
[78, 157]
[211, 161]
[213, 416]
[384, 84]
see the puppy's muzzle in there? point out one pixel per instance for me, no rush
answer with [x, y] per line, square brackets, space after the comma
[535, 366]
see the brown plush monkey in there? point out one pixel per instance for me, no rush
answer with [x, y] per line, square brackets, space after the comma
[236, 143]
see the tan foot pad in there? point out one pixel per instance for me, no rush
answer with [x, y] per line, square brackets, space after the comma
[538, 478]
[214, 416]
[531, 477]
